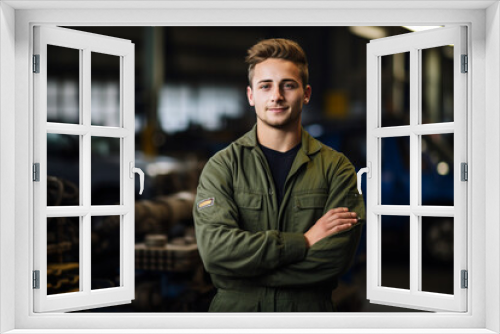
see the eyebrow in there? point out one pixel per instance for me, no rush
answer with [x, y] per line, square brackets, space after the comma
[269, 80]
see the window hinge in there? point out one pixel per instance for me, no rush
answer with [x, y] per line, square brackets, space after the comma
[36, 279]
[465, 171]
[465, 279]
[36, 172]
[465, 64]
[36, 63]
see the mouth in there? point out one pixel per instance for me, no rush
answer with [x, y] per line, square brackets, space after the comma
[277, 109]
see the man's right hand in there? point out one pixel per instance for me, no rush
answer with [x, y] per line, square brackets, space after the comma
[334, 221]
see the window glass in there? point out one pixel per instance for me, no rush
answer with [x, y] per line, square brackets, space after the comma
[105, 171]
[437, 169]
[63, 85]
[437, 84]
[63, 170]
[105, 253]
[395, 97]
[395, 231]
[437, 254]
[105, 92]
[395, 170]
[63, 255]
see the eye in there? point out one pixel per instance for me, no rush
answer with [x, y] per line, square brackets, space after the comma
[265, 86]
[290, 85]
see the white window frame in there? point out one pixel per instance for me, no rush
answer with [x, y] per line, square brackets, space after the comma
[484, 158]
[123, 50]
[413, 44]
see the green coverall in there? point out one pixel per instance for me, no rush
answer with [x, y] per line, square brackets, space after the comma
[254, 250]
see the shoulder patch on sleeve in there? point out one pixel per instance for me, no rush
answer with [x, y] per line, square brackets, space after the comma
[205, 203]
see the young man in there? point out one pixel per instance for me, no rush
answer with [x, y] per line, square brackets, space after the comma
[277, 215]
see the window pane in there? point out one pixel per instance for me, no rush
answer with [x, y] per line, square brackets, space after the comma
[437, 254]
[395, 171]
[437, 170]
[395, 231]
[105, 254]
[105, 91]
[63, 85]
[63, 170]
[437, 84]
[63, 255]
[105, 169]
[395, 99]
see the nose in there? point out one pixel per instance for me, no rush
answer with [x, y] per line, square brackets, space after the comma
[276, 94]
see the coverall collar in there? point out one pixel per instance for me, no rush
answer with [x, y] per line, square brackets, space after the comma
[309, 146]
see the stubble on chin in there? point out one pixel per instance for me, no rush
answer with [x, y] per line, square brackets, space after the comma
[280, 124]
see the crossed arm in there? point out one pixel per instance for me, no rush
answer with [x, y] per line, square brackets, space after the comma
[275, 258]
[332, 240]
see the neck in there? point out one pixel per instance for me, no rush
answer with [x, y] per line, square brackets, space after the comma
[281, 140]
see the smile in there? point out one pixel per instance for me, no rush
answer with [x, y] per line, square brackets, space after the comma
[277, 109]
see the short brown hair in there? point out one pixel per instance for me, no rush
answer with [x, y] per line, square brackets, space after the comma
[277, 48]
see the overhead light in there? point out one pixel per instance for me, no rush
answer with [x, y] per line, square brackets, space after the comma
[368, 32]
[421, 28]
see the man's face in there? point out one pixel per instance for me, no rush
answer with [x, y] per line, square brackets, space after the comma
[278, 94]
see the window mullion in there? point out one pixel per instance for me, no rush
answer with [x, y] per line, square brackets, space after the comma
[85, 250]
[85, 161]
[85, 240]
[415, 250]
[86, 109]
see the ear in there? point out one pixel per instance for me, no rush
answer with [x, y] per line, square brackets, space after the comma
[250, 96]
[307, 94]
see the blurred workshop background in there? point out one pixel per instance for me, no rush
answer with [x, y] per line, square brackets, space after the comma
[190, 102]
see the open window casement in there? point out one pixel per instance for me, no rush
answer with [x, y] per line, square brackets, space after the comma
[415, 127]
[76, 140]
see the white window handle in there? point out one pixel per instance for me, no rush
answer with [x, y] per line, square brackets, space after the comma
[368, 171]
[141, 175]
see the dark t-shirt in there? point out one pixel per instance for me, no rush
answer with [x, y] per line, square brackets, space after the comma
[280, 164]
